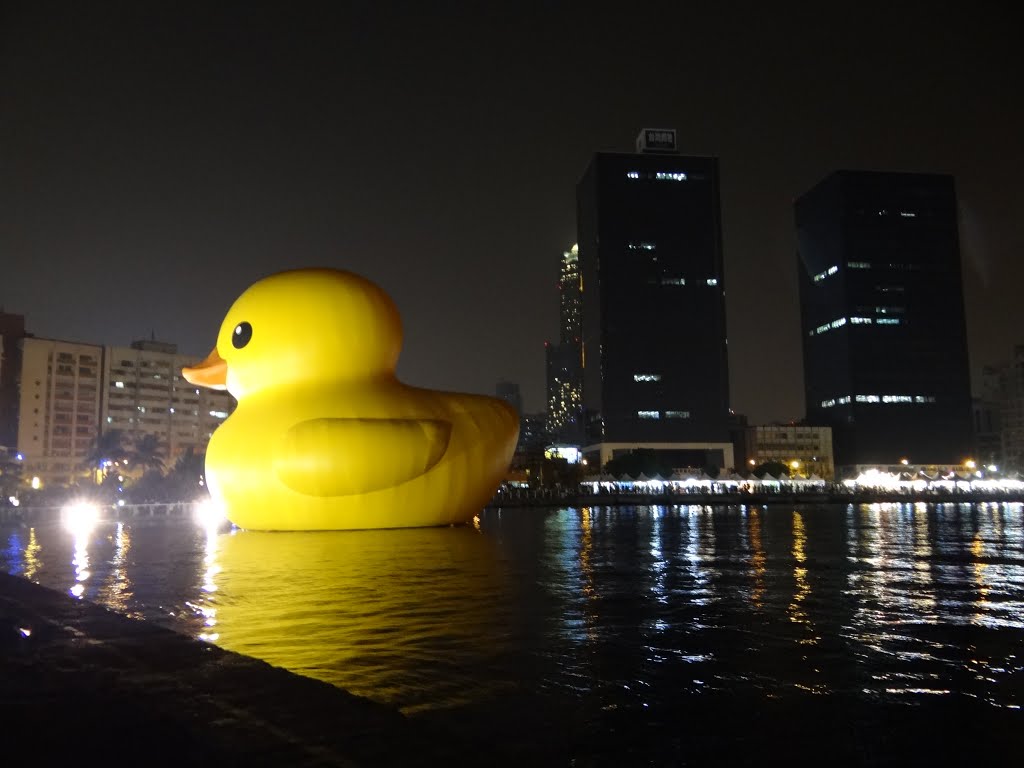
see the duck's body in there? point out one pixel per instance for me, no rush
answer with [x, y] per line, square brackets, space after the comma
[344, 444]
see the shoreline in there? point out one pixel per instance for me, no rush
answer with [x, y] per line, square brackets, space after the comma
[748, 499]
[185, 510]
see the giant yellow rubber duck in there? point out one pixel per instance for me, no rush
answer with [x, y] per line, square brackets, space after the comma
[325, 437]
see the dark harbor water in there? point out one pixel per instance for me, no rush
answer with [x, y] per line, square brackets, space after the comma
[633, 631]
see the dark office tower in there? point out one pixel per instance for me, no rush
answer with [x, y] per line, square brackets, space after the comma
[12, 331]
[655, 371]
[885, 351]
[564, 361]
[509, 392]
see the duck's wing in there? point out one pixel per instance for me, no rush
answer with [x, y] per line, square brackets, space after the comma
[339, 457]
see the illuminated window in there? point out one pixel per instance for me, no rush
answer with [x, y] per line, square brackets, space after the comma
[827, 273]
[673, 281]
[858, 265]
[897, 399]
[119, 384]
[887, 321]
[861, 320]
[837, 323]
[219, 414]
[677, 414]
[648, 414]
[646, 377]
[868, 399]
[827, 403]
[633, 175]
[908, 214]
[712, 281]
[641, 246]
[669, 176]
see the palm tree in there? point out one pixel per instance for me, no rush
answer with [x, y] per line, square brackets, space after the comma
[148, 453]
[187, 477]
[108, 448]
[10, 476]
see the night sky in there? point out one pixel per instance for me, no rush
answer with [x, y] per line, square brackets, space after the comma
[156, 160]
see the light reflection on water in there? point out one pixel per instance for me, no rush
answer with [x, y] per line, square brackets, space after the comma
[621, 606]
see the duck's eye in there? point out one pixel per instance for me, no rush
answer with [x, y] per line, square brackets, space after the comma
[241, 335]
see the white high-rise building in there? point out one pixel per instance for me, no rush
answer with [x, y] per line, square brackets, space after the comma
[144, 393]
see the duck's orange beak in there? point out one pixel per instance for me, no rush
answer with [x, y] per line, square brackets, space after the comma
[212, 372]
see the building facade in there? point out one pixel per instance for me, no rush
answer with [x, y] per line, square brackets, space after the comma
[145, 394]
[882, 315]
[564, 360]
[655, 368]
[60, 390]
[804, 449]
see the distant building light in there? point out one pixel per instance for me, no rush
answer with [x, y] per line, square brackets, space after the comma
[641, 246]
[648, 414]
[669, 176]
[858, 265]
[712, 281]
[633, 175]
[568, 452]
[887, 321]
[908, 214]
[673, 281]
[119, 384]
[861, 320]
[219, 414]
[646, 377]
[677, 414]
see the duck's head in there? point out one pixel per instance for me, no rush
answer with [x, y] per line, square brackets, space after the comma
[303, 326]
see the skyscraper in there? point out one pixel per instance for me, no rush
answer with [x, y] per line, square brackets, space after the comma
[564, 361]
[882, 313]
[655, 369]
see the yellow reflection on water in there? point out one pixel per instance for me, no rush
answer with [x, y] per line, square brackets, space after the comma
[117, 591]
[206, 605]
[378, 613]
[757, 559]
[586, 550]
[32, 560]
[796, 611]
